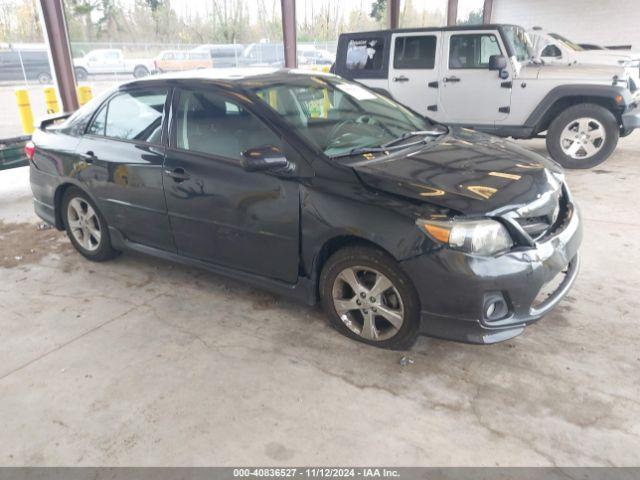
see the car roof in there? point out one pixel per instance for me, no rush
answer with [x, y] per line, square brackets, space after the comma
[243, 76]
[488, 26]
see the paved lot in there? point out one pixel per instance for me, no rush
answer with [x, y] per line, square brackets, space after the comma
[141, 362]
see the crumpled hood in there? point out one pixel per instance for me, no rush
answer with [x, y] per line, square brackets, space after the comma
[469, 172]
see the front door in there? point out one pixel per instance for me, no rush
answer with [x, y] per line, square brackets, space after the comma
[219, 212]
[470, 93]
[413, 78]
[122, 157]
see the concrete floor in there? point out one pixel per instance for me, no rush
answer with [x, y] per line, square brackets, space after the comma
[141, 362]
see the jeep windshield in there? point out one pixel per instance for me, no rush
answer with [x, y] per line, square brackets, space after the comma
[342, 118]
[519, 42]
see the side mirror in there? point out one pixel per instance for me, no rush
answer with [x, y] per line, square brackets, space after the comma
[265, 157]
[497, 62]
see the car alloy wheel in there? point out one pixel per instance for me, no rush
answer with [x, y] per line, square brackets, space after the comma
[84, 224]
[582, 138]
[368, 303]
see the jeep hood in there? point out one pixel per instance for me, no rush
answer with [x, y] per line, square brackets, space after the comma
[465, 171]
[575, 71]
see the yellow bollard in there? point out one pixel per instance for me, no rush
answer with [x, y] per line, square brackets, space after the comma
[84, 94]
[51, 100]
[24, 108]
[273, 99]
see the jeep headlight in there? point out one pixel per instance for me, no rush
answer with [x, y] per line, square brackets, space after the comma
[482, 237]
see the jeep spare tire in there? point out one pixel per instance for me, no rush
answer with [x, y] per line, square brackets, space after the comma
[583, 136]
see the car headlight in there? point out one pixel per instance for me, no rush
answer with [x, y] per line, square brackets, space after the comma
[482, 237]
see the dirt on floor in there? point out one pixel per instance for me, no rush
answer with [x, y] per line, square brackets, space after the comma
[23, 243]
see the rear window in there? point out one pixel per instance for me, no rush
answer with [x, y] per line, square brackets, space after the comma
[365, 54]
[415, 52]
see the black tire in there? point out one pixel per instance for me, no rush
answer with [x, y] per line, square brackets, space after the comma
[103, 251]
[369, 257]
[81, 74]
[140, 71]
[44, 78]
[583, 110]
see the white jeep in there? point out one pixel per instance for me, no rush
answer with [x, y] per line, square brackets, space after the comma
[487, 78]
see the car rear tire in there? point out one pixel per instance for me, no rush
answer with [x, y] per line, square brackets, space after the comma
[81, 74]
[583, 136]
[86, 227]
[369, 298]
[140, 71]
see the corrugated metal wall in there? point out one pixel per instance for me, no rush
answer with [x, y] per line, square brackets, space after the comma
[605, 22]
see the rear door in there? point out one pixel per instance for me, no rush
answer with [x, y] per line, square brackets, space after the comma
[219, 212]
[413, 77]
[469, 92]
[122, 156]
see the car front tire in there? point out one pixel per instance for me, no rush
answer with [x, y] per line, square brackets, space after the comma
[369, 298]
[583, 136]
[81, 74]
[85, 226]
[44, 78]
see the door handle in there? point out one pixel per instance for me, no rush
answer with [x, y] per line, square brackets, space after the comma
[178, 174]
[401, 78]
[89, 156]
[452, 79]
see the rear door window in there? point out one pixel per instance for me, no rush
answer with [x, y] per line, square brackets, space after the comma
[417, 52]
[135, 116]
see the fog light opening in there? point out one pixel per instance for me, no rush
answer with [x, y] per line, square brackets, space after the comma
[495, 307]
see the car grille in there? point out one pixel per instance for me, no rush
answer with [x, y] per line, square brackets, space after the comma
[543, 220]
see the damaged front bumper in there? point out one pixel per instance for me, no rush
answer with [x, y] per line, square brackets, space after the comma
[458, 290]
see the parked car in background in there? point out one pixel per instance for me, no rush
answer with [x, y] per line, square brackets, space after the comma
[263, 54]
[109, 61]
[487, 77]
[223, 55]
[179, 60]
[594, 46]
[311, 55]
[554, 48]
[319, 189]
[25, 65]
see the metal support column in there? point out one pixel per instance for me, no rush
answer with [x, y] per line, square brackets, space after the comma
[486, 11]
[289, 33]
[393, 13]
[55, 31]
[452, 12]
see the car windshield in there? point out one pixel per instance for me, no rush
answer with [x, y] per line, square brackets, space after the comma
[519, 42]
[567, 42]
[339, 117]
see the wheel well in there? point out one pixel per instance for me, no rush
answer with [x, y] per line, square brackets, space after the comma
[140, 66]
[566, 102]
[334, 244]
[57, 203]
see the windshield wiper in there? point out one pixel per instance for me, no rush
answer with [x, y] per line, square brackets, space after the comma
[391, 146]
[406, 135]
[359, 150]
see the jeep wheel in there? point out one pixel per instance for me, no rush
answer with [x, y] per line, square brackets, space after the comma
[583, 136]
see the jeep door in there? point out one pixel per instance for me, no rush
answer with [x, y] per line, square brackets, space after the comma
[219, 212]
[413, 77]
[470, 93]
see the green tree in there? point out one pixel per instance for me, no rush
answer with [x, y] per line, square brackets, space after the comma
[378, 10]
